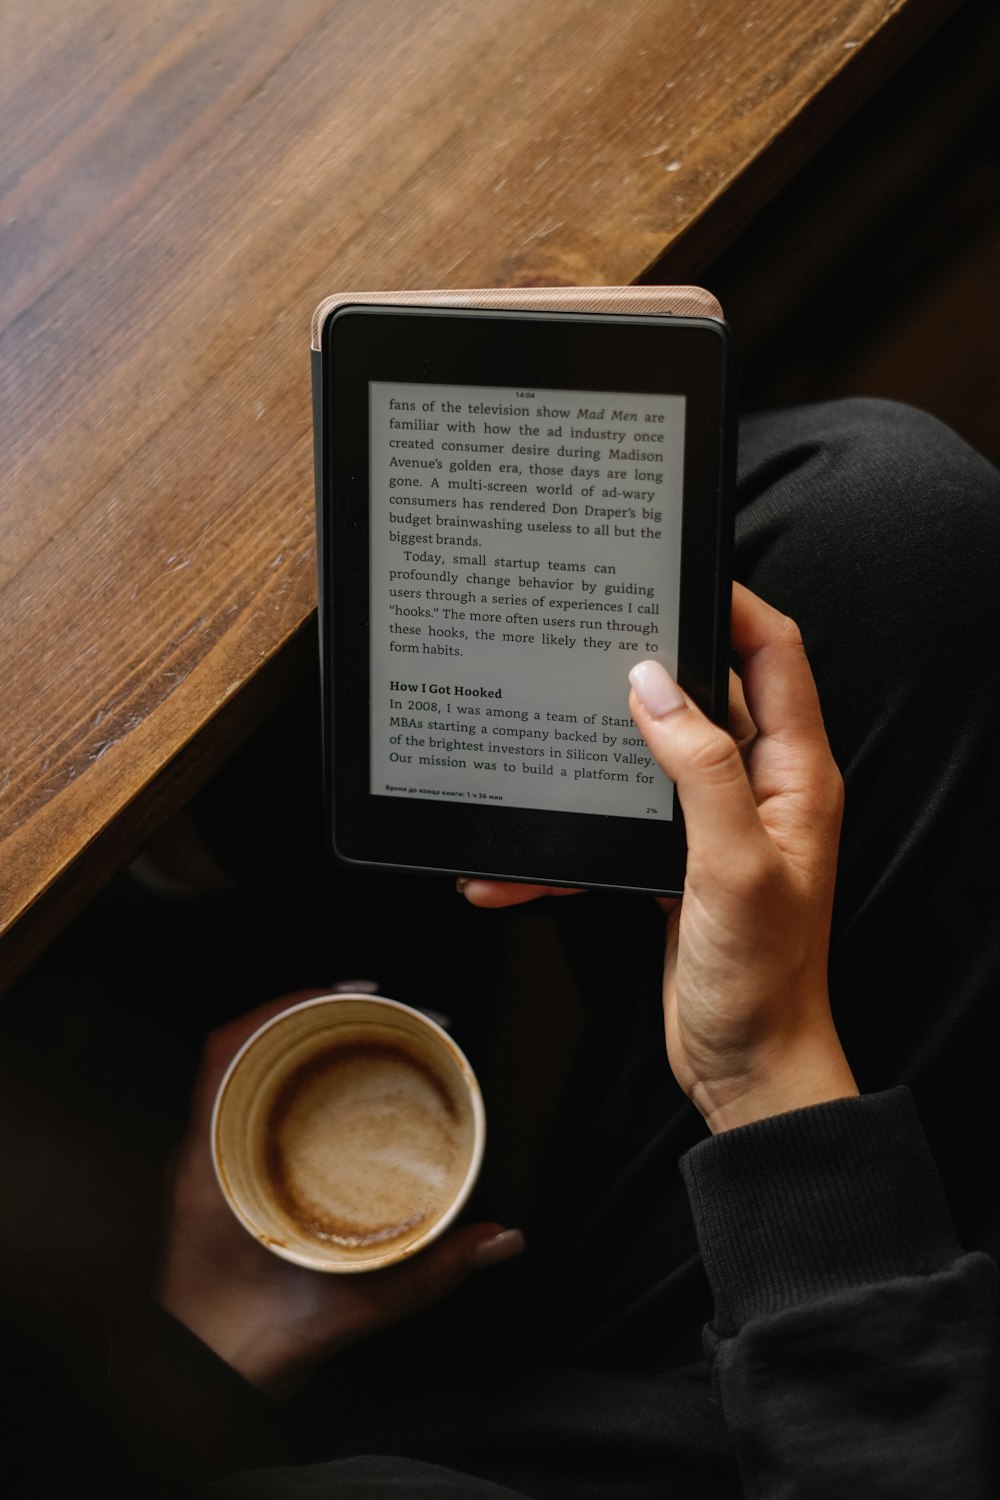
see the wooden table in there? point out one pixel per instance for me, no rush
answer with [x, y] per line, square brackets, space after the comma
[181, 183]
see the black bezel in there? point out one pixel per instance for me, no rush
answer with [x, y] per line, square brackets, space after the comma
[668, 355]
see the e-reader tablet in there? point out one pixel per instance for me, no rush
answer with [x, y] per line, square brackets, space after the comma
[519, 495]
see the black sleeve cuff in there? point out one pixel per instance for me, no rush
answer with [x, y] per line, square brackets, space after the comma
[179, 1411]
[815, 1201]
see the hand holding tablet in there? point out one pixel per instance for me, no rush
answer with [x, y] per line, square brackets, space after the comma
[514, 507]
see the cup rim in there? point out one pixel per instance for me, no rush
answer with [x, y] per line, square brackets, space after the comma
[316, 1261]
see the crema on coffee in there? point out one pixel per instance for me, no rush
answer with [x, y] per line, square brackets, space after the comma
[366, 1143]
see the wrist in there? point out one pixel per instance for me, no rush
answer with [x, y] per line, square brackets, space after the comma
[260, 1350]
[772, 1086]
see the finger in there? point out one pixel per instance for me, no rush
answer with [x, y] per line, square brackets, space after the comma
[700, 758]
[443, 1266]
[778, 683]
[497, 893]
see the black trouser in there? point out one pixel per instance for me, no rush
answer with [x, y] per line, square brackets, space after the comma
[879, 532]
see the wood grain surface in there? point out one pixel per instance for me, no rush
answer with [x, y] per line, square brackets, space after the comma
[179, 185]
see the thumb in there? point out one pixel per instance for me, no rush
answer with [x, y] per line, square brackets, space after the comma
[700, 758]
[443, 1266]
[494, 1245]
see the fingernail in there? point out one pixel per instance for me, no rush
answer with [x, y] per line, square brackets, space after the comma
[497, 1249]
[461, 882]
[656, 689]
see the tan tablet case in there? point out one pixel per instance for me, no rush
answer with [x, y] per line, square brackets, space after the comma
[680, 301]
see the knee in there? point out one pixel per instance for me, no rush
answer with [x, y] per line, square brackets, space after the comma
[894, 466]
[870, 497]
[862, 455]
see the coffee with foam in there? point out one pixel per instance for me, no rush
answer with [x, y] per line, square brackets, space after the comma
[348, 1132]
[367, 1144]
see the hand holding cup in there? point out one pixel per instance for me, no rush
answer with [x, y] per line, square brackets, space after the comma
[273, 1319]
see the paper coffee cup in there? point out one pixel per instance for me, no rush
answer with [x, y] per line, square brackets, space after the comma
[348, 1133]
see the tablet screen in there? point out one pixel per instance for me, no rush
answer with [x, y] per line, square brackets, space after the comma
[525, 552]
